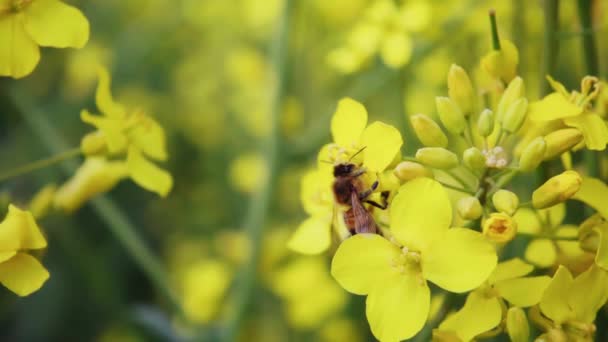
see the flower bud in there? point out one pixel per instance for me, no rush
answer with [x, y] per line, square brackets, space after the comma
[460, 88]
[93, 144]
[561, 141]
[500, 227]
[502, 63]
[557, 189]
[450, 115]
[407, 170]
[474, 159]
[428, 131]
[437, 157]
[485, 124]
[505, 201]
[514, 91]
[517, 325]
[515, 115]
[532, 155]
[469, 208]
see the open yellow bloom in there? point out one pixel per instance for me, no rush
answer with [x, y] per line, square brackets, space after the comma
[135, 134]
[27, 24]
[482, 310]
[394, 274]
[19, 271]
[572, 303]
[594, 193]
[544, 224]
[572, 110]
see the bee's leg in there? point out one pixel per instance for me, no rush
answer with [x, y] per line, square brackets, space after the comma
[363, 195]
[384, 205]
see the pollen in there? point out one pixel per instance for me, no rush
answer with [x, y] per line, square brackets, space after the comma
[496, 157]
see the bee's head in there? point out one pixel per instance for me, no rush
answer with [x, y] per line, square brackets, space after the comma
[343, 169]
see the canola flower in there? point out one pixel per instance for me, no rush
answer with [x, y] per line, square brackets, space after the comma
[27, 24]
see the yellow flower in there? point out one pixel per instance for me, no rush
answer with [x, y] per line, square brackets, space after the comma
[96, 175]
[19, 271]
[572, 303]
[500, 227]
[573, 110]
[482, 310]
[394, 275]
[594, 193]
[135, 134]
[27, 24]
[543, 225]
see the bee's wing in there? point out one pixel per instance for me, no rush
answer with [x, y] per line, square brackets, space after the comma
[364, 221]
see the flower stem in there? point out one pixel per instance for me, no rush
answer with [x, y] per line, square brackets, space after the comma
[39, 164]
[494, 26]
[259, 202]
[456, 188]
[550, 43]
[592, 68]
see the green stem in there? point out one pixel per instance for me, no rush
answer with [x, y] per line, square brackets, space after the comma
[456, 188]
[113, 217]
[260, 202]
[494, 26]
[592, 67]
[550, 43]
[39, 164]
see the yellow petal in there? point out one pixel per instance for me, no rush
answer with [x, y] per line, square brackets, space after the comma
[553, 303]
[382, 142]
[103, 97]
[111, 128]
[7, 255]
[19, 54]
[315, 192]
[558, 87]
[594, 193]
[601, 256]
[398, 307]
[53, 23]
[479, 314]
[460, 261]
[19, 231]
[348, 122]
[420, 213]
[554, 215]
[149, 137]
[523, 292]
[357, 271]
[396, 50]
[313, 236]
[541, 252]
[595, 131]
[588, 293]
[551, 107]
[23, 274]
[148, 175]
[527, 221]
[510, 269]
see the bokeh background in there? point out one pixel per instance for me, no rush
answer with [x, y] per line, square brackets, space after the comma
[245, 90]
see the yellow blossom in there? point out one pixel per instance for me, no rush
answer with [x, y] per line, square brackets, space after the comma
[394, 274]
[19, 271]
[500, 227]
[27, 24]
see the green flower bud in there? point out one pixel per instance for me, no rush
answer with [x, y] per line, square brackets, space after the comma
[407, 170]
[474, 159]
[469, 208]
[561, 141]
[485, 124]
[532, 155]
[505, 201]
[557, 189]
[450, 115]
[517, 325]
[515, 115]
[437, 157]
[514, 91]
[460, 88]
[428, 131]
[93, 144]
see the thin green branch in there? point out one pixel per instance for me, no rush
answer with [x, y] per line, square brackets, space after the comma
[39, 164]
[494, 26]
[259, 203]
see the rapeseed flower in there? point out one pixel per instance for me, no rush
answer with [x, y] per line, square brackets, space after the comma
[394, 274]
[20, 272]
[27, 24]
[132, 133]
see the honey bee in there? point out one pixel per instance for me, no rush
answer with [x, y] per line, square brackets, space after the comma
[349, 190]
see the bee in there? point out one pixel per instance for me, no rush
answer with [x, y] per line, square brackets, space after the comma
[349, 190]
